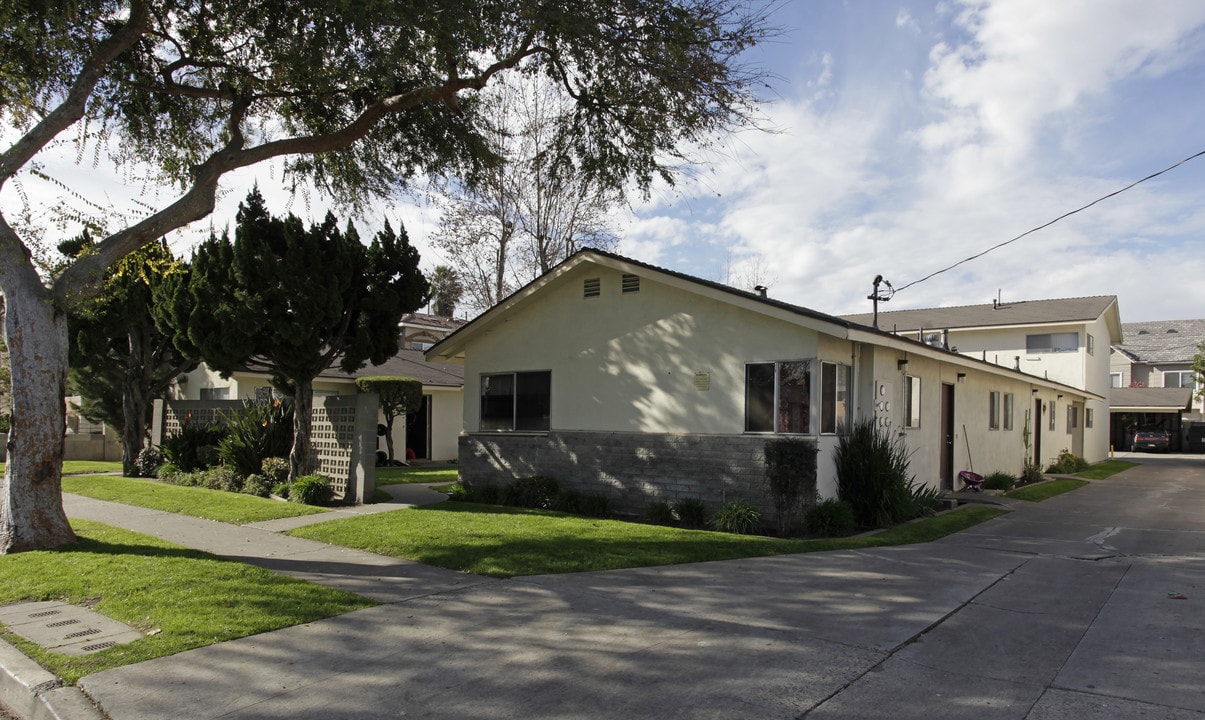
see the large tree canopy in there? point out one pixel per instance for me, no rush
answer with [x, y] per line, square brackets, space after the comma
[354, 97]
[292, 301]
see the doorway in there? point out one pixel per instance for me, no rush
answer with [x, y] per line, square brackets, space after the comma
[418, 431]
[1037, 432]
[947, 436]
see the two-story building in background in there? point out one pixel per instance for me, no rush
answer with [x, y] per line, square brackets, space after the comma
[1154, 386]
[1067, 340]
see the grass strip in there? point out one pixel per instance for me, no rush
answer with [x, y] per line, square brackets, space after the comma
[188, 598]
[228, 507]
[85, 467]
[418, 474]
[1045, 490]
[1108, 468]
[506, 542]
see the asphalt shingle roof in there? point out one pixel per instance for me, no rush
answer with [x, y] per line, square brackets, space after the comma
[1162, 340]
[1023, 312]
[1170, 398]
[412, 364]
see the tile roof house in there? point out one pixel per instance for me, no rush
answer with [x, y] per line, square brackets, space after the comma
[1156, 358]
[1063, 339]
[619, 377]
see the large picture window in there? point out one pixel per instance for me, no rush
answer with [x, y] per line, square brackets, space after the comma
[778, 397]
[1052, 342]
[834, 397]
[516, 401]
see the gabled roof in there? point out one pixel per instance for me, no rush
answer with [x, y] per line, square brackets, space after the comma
[1024, 312]
[1150, 399]
[427, 320]
[453, 345]
[1167, 341]
[411, 364]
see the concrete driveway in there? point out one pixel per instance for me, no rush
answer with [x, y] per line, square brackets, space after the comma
[1063, 609]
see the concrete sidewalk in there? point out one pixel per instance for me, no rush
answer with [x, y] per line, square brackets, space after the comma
[1058, 610]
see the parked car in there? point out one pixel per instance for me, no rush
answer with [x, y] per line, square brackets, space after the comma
[1151, 441]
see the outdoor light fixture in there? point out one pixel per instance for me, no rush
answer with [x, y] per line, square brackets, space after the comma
[962, 377]
[901, 364]
[1034, 391]
[1060, 397]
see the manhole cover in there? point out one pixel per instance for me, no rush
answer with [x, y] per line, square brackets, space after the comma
[64, 628]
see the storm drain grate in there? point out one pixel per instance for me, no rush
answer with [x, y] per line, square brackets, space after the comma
[64, 628]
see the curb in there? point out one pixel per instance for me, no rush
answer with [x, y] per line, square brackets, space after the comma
[35, 694]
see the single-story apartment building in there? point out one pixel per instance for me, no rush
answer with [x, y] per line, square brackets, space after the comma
[622, 378]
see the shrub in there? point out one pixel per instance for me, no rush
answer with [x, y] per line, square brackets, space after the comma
[275, 470]
[790, 479]
[1068, 463]
[148, 461]
[257, 485]
[999, 480]
[165, 472]
[738, 517]
[829, 518]
[568, 501]
[487, 494]
[660, 513]
[873, 476]
[281, 490]
[691, 512]
[926, 500]
[1031, 472]
[458, 492]
[186, 448]
[311, 490]
[537, 491]
[255, 432]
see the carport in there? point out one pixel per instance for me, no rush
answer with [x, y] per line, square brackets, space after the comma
[1131, 409]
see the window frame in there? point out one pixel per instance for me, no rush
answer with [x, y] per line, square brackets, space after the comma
[1180, 373]
[993, 410]
[1120, 377]
[1053, 415]
[831, 420]
[1088, 418]
[1072, 417]
[520, 412]
[1008, 408]
[912, 401]
[1033, 347]
[779, 417]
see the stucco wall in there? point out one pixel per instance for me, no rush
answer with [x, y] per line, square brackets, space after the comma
[447, 413]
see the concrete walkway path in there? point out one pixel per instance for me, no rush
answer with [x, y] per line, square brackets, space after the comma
[1062, 609]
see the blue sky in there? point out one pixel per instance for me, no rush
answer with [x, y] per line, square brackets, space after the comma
[911, 135]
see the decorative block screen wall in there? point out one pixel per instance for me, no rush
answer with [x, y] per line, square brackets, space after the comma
[343, 434]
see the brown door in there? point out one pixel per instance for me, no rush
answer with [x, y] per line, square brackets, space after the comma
[947, 436]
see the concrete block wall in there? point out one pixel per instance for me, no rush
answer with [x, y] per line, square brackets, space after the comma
[630, 469]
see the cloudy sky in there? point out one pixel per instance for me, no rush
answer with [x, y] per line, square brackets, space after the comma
[914, 135]
[909, 136]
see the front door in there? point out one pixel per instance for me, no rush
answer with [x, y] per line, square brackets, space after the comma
[418, 435]
[947, 436]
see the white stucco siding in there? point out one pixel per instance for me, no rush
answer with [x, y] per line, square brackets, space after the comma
[447, 413]
[628, 361]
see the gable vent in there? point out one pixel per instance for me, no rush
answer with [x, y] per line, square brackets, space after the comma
[592, 287]
[631, 283]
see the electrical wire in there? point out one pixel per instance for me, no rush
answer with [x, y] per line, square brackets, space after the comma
[1048, 224]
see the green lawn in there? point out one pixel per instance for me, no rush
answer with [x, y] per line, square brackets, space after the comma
[505, 542]
[1044, 490]
[84, 467]
[1108, 468]
[218, 505]
[417, 474]
[187, 598]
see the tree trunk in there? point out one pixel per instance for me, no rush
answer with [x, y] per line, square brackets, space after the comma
[389, 435]
[301, 457]
[133, 404]
[31, 501]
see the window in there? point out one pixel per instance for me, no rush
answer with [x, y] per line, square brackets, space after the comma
[516, 401]
[1115, 379]
[1091, 343]
[911, 401]
[221, 393]
[1052, 342]
[778, 397]
[1052, 416]
[1008, 411]
[1179, 378]
[1072, 418]
[834, 397]
[1088, 417]
[993, 410]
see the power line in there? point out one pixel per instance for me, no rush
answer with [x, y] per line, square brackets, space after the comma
[1048, 224]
